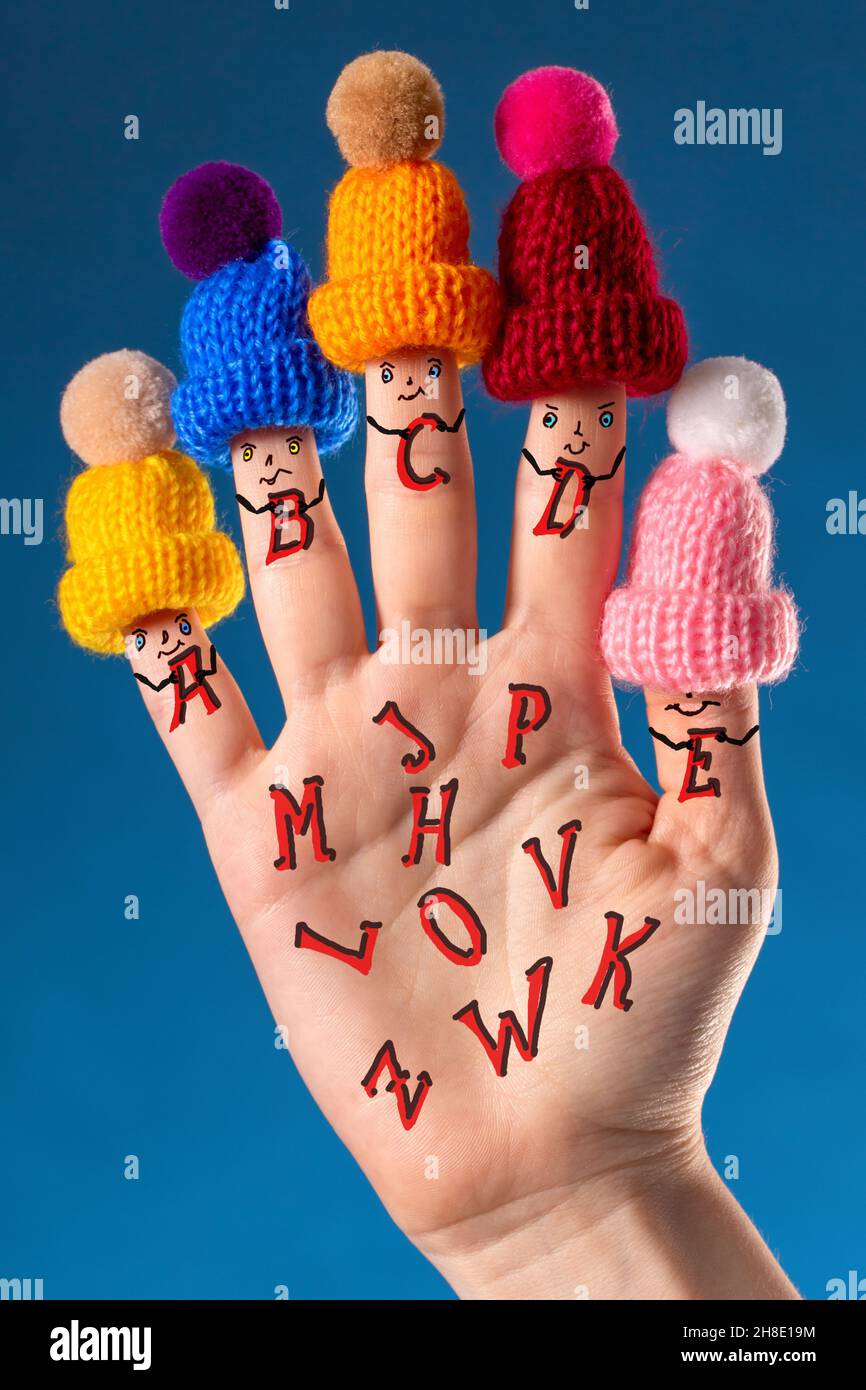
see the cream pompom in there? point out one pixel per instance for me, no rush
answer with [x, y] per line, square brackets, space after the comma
[117, 408]
[386, 108]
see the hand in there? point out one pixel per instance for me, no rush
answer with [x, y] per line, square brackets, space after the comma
[580, 1168]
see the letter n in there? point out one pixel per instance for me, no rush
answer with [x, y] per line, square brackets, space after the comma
[296, 818]
[498, 1048]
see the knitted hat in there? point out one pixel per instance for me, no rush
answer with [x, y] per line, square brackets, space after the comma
[140, 520]
[244, 335]
[398, 230]
[574, 317]
[698, 611]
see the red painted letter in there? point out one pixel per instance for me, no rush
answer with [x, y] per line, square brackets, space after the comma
[509, 1028]
[613, 962]
[360, 959]
[468, 917]
[422, 826]
[558, 889]
[520, 722]
[411, 762]
[294, 818]
[408, 1106]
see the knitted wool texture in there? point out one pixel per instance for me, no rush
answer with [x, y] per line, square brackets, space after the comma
[251, 361]
[698, 611]
[572, 317]
[141, 537]
[399, 271]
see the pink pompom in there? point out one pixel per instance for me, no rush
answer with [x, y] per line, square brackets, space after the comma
[554, 118]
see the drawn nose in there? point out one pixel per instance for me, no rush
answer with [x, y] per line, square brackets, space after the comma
[269, 461]
[164, 636]
[577, 431]
[409, 381]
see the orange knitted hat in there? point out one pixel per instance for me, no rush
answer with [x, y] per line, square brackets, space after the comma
[399, 274]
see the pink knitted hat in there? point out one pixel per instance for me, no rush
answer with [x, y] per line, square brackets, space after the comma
[698, 611]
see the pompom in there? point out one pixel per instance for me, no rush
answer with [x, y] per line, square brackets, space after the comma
[118, 408]
[215, 214]
[728, 408]
[554, 118]
[385, 108]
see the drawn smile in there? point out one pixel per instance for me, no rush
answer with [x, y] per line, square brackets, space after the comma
[414, 396]
[690, 713]
[271, 481]
[578, 452]
[172, 652]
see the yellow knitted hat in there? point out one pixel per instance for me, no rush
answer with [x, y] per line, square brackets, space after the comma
[140, 521]
[399, 274]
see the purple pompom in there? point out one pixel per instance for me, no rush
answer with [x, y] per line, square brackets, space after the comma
[215, 214]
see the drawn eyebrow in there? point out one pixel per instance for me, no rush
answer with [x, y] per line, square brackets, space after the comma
[386, 364]
[551, 407]
[434, 359]
[606, 405]
[179, 616]
[292, 436]
[248, 445]
[139, 632]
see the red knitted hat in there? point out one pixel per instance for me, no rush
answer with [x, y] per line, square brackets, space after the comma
[572, 317]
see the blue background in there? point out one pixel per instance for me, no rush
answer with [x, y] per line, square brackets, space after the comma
[152, 1037]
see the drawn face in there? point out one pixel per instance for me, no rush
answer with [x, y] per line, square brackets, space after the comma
[690, 706]
[154, 642]
[404, 385]
[585, 427]
[275, 460]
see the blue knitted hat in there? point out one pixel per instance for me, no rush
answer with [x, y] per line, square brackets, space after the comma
[250, 357]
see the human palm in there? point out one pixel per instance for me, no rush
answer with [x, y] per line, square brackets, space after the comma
[612, 1088]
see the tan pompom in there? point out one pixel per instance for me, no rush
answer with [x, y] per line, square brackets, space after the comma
[118, 408]
[386, 107]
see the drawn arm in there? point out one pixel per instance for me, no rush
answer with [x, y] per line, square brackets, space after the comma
[256, 511]
[543, 472]
[605, 477]
[727, 738]
[663, 738]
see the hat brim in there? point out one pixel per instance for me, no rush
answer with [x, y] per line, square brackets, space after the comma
[103, 594]
[674, 640]
[639, 343]
[453, 307]
[289, 385]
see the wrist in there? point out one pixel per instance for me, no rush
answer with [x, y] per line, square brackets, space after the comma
[664, 1227]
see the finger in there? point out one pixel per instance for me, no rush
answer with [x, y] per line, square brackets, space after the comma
[708, 755]
[303, 588]
[568, 513]
[199, 712]
[420, 491]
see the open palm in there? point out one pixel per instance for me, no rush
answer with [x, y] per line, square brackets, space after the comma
[356, 948]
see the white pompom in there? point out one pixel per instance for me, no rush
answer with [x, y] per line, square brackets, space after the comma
[729, 408]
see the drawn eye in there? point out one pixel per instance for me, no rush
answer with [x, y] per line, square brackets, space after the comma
[387, 374]
[549, 420]
[294, 446]
[605, 419]
[435, 370]
[140, 640]
[185, 626]
[247, 453]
